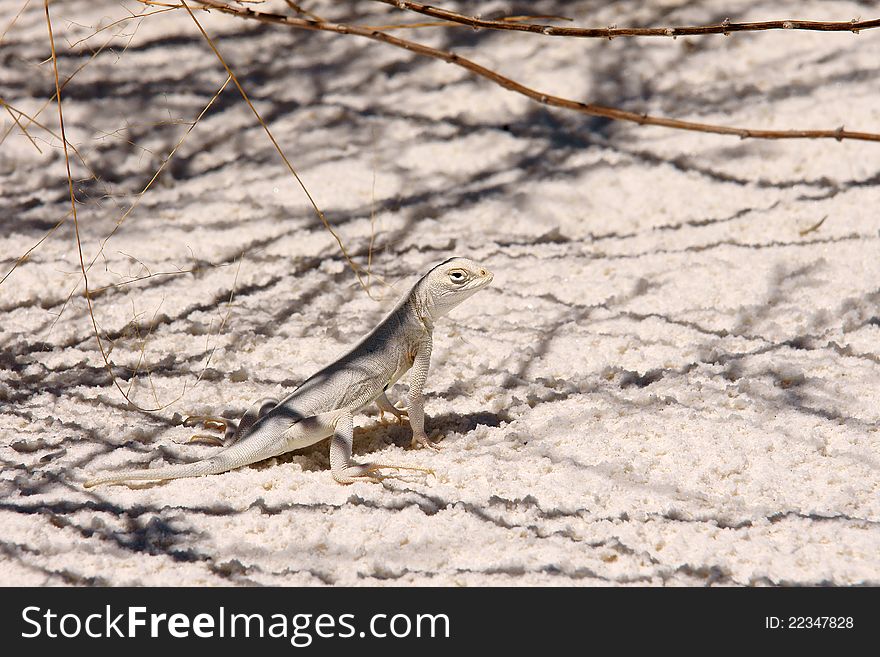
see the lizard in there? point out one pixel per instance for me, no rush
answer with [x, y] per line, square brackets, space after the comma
[323, 406]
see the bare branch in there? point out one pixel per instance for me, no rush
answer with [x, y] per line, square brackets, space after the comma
[725, 27]
[545, 99]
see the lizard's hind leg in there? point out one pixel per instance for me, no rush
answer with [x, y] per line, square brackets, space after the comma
[210, 423]
[257, 410]
[232, 431]
[344, 470]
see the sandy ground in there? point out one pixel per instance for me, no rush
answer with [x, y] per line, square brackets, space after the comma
[672, 381]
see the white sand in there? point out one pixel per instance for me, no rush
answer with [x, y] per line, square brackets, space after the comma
[666, 384]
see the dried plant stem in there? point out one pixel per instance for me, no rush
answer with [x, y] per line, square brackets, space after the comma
[120, 21]
[411, 26]
[589, 109]
[611, 32]
[158, 172]
[372, 216]
[223, 322]
[137, 279]
[23, 129]
[141, 194]
[70, 77]
[14, 20]
[23, 258]
[82, 263]
[31, 120]
[813, 228]
[354, 267]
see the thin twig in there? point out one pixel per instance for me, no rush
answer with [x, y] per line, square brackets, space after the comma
[725, 27]
[354, 267]
[149, 184]
[121, 20]
[421, 24]
[162, 166]
[23, 258]
[372, 215]
[301, 10]
[31, 120]
[589, 109]
[223, 322]
[813, 228]
[24, 130]
[82, 262]
[13, 21]
[137, 279]
[70, 77]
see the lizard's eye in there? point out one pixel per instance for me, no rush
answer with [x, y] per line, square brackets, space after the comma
[457, 276]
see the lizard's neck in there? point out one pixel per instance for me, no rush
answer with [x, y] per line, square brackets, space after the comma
[421, 302]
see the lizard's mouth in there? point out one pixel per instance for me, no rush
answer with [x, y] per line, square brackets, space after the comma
[481, 282]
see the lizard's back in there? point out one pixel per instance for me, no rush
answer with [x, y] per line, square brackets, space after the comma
[362, 373]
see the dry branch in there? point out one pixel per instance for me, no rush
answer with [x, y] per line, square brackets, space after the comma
[725, 27]
[545, 99]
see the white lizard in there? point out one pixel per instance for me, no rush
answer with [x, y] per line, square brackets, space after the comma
[323, 406]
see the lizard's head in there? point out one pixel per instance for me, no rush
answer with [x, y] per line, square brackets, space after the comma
[453, 281]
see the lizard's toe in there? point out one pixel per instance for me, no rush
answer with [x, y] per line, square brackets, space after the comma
[425, 442]
[206, 439]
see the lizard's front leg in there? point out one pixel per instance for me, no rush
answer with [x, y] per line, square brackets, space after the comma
[344, 470]
[416, 411]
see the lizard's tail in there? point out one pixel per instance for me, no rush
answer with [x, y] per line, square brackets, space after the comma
[242, 453]
[197, 469]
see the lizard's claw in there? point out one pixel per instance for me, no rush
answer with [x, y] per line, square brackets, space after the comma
[429, 471]
[206, 438]
[220, 424]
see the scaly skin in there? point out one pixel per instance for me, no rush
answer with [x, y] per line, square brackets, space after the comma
[324, 405]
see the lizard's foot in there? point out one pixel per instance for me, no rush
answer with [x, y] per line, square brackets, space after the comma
[423, 441]
[207, 439]
[385, 406]
[368, 472]
[209, 422]
[399, 414]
